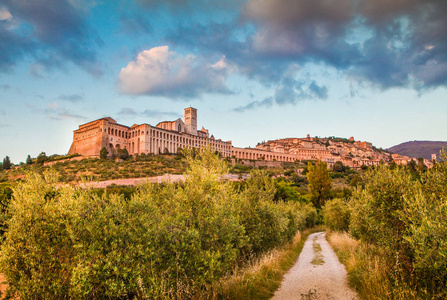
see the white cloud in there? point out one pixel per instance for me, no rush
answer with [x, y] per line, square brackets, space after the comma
[5, 14]
[159, 71]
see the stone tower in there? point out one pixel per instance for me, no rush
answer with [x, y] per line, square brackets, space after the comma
[191, 120]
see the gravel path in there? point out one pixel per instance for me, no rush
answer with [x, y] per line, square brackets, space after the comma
[318, 274]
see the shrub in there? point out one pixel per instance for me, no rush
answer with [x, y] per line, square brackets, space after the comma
[406, 218]
[286, 192]
[162, 241]
[336, 214]
[378, 207]
[426, 214]
[267, 224]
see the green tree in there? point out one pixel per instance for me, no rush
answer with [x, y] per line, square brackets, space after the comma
[286, 192]
[412, 166]
[103, 153]
[320, 183]
[377, 215]
[5, 199]
[41, 158]
[6, 163]
[122, 153]
[338, 167]
[336, 214]
[421, 165]
[29, 161]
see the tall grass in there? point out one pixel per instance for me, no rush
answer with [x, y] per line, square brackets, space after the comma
[371, 270]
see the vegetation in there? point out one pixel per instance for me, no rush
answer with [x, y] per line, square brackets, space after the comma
[75, 170]
[41, 158]
[103, 153]
[5, 199]
[400, 222]
[320, 183]
[336, 214]
[263, 276]
[165, 241]
[6, 165]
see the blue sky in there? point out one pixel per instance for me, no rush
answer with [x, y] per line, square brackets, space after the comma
[255, 69]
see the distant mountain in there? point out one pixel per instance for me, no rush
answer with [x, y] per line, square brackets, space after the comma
[418, 149]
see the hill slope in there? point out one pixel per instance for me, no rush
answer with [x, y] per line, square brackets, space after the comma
[418, 148]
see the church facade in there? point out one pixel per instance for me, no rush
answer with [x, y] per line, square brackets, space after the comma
[166, 137]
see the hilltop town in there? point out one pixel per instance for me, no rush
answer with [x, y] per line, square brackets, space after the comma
[172, 136]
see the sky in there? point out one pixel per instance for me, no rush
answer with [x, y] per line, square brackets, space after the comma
[256, 70]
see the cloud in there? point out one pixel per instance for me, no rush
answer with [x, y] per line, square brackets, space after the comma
[290, 91]
[188, 7]
[301, 30]
[267, 102]
[401, 43]
[5, 87]
[55, 112]
[5, 14]
[71, 98]
[127, 111]
[130, 112]
[134, 24]
[160, 114]
[51, 32]
[162, 72]
[12, 48]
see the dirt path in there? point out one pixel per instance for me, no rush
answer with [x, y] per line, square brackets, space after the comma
[157, 179]
[318, 274]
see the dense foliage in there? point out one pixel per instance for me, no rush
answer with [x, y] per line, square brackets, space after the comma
[400, 216]
[320, 183]
[336, 214]
[165, 241]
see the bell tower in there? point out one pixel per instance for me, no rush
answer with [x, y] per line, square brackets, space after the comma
[191, 120]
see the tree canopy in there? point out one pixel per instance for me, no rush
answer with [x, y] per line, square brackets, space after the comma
[320, 183]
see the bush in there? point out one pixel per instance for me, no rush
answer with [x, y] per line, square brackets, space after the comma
[286, 192]
[5, 199]
[426, 214]
[407, 220]
[378, 207]
[267, 224]
[336, 214]
[166, 241]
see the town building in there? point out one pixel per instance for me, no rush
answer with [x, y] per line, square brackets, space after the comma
[166, 137]
[170, 136]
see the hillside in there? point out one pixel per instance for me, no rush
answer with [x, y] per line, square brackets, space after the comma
[418, 149]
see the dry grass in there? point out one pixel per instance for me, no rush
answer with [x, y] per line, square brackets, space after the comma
[342, 241]
[370, 270]
[263, 276]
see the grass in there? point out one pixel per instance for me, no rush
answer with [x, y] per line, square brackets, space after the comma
[262, 277]
[318, 258]
[372, 272]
